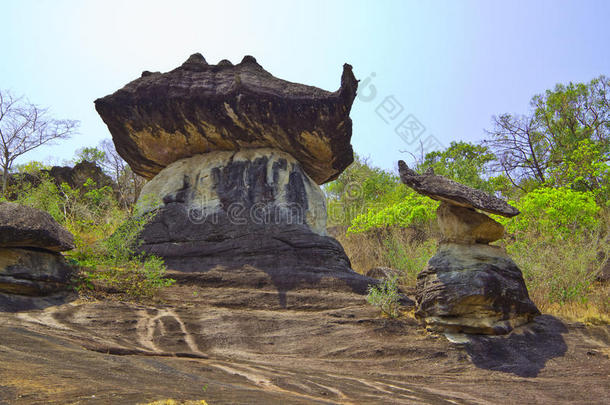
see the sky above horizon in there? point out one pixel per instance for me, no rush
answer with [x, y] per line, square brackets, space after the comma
[431, 72]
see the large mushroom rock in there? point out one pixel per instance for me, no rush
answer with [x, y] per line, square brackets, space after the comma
[472, 289]
[198, 108]
[250, 218]
[443, 189]
[468, 286]
[26, 227]
[30, 240]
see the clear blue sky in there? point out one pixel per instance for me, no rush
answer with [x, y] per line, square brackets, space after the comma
[450, 64]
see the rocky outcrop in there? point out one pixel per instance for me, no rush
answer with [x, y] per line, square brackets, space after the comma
[252, 213]
[468, 286]
[443, 189]
[77, 176]
[30, 240]
[199, 108]
[22, 226]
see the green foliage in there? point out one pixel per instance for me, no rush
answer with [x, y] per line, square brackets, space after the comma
[116, 263]
[414, 210]
[462, 162]
[385, 296]
[554, 213]
[31, 167]
[359, 188]
[562, 270]
[106, 247]
[90, 154]
[408, 257]
[44, 196]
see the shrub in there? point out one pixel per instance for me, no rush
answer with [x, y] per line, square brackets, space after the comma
[385, 296]
[413, 210]
[116, 263]
[554, 212]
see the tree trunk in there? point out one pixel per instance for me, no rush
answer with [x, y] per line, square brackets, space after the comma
[4, 180]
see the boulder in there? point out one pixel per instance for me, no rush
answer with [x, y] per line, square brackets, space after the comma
[22, 226]
[443, 189]
[32, 272]
[472, 289]
[465, 225]
[198, 108]
[250, 218]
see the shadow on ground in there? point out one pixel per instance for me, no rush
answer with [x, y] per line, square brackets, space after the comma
[524, 352]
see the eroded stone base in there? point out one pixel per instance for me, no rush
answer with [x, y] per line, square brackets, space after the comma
[472, 289]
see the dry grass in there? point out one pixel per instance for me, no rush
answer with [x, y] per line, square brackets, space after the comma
[560, 275]
[404, 249]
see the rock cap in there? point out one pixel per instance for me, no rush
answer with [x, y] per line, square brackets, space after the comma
[197, 108]
[443, 189]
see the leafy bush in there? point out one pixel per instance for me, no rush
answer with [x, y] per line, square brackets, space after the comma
[554, 212]
[413, 210]
[385, 296]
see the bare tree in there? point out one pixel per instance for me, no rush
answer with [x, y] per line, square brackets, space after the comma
[25, 126]
[129, 183]
[521, 148]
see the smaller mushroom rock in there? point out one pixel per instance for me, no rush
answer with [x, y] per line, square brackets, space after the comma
[468, 286]
[30, 240]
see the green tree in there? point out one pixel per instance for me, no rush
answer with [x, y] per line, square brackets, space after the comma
[90, 154]
[461, 161]
[563, 141]
[361, 188]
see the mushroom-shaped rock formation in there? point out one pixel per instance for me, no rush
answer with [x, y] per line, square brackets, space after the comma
[30, 240]
[199, 108]
[468, 286]
[237, 157]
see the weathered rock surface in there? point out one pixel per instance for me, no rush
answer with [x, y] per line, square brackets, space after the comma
[32, 272]
[198, 108]
[22, 226]
[443, 189]
[465, 225]
[472, 289]
[227, 346]
[251, 217]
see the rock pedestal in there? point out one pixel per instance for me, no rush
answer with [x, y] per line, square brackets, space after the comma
[30, 240]
[254, 209]
[235, 157]
[468, 286]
